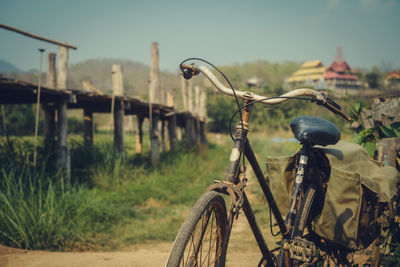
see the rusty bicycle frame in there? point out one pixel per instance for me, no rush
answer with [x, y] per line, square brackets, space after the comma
[235, 177]
[234, 186]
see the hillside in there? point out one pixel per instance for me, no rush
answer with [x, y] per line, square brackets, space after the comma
[7, 67]
[136, 76]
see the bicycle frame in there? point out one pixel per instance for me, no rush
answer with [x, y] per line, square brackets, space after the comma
[241, 146]
[232, 184]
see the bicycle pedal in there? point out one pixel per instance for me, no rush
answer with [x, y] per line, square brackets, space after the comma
[302, 250]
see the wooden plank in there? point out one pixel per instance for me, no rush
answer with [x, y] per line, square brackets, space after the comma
[117, 80]
[171, 99]
[51, 81]
[387, 149]
[119, 128]
[184, 93]
[163, 143]
[154, 86]
[172, 132]
[154, 142]
[203, 137]
[203, 104]
[64, 44]
[154, 98]
[49, 110]
[118, 109]
[190, 96]
[62, 71]
[196, 109]
[190, 132]
[88, 127]
[63, 160]
[386, 110]
[139, 135]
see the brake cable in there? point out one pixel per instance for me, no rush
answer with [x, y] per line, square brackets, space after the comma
[234, 93]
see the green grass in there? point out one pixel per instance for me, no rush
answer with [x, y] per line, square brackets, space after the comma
[111, 204]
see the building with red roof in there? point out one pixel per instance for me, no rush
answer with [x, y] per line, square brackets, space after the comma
[392, 81]
[339, 75]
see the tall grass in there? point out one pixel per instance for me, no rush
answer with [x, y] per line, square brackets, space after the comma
[36, 212]
[110, 203]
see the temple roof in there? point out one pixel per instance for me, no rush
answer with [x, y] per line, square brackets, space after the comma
[393, 75]
[309, 70]
[340, 70]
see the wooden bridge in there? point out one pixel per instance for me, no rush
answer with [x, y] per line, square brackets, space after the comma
[56, 99]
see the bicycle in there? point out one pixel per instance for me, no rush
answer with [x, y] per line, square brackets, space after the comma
[204, 236]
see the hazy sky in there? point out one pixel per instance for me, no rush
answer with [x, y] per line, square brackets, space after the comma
[224, 32]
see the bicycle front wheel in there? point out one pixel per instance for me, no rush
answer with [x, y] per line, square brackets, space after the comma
[200, 240]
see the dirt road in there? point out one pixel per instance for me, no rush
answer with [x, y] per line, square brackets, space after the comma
[148, 255]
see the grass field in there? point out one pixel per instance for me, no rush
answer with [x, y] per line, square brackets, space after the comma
[111, 204]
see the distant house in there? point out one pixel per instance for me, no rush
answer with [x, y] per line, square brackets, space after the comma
[309, 74]
[392, 81]
[253, 82]
[339, 75]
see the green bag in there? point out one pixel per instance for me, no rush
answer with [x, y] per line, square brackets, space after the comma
[356, 185]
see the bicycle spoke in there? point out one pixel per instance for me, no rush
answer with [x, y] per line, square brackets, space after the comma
[209, 245]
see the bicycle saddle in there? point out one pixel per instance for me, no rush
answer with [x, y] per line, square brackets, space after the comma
[315, 130]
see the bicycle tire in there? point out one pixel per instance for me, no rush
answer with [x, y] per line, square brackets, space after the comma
[193, 236]
[302, 218]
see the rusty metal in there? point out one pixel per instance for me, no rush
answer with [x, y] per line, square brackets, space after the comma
[235, 191]
[302, 250]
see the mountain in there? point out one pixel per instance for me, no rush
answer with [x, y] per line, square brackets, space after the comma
[7, 67]
[135, 75]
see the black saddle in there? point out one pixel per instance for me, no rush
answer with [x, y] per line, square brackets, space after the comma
[315, 130]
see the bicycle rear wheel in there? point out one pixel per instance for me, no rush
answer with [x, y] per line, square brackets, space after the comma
[200, 240]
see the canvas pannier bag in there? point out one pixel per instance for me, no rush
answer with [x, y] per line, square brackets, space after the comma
[356, 185]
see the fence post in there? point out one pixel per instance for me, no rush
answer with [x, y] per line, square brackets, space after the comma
[184, 93]
[139, 135]
[190, 96]
[154, 95]
[49, 110]
[88, 127]
[118, 93]
[203, 115]
[189, 129]
[63, 157]
[171, 121]
[387, 149]
[196, 113]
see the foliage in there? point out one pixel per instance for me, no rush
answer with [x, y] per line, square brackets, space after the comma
[372, 79]
[20, 119]
[368, 137]
[220, 110]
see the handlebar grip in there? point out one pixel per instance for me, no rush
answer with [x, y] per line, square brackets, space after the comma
[337, 111]
[333, 103]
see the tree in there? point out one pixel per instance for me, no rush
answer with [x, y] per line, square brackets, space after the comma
[372, 78]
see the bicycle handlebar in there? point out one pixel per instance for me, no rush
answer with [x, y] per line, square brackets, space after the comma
[320, 98]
